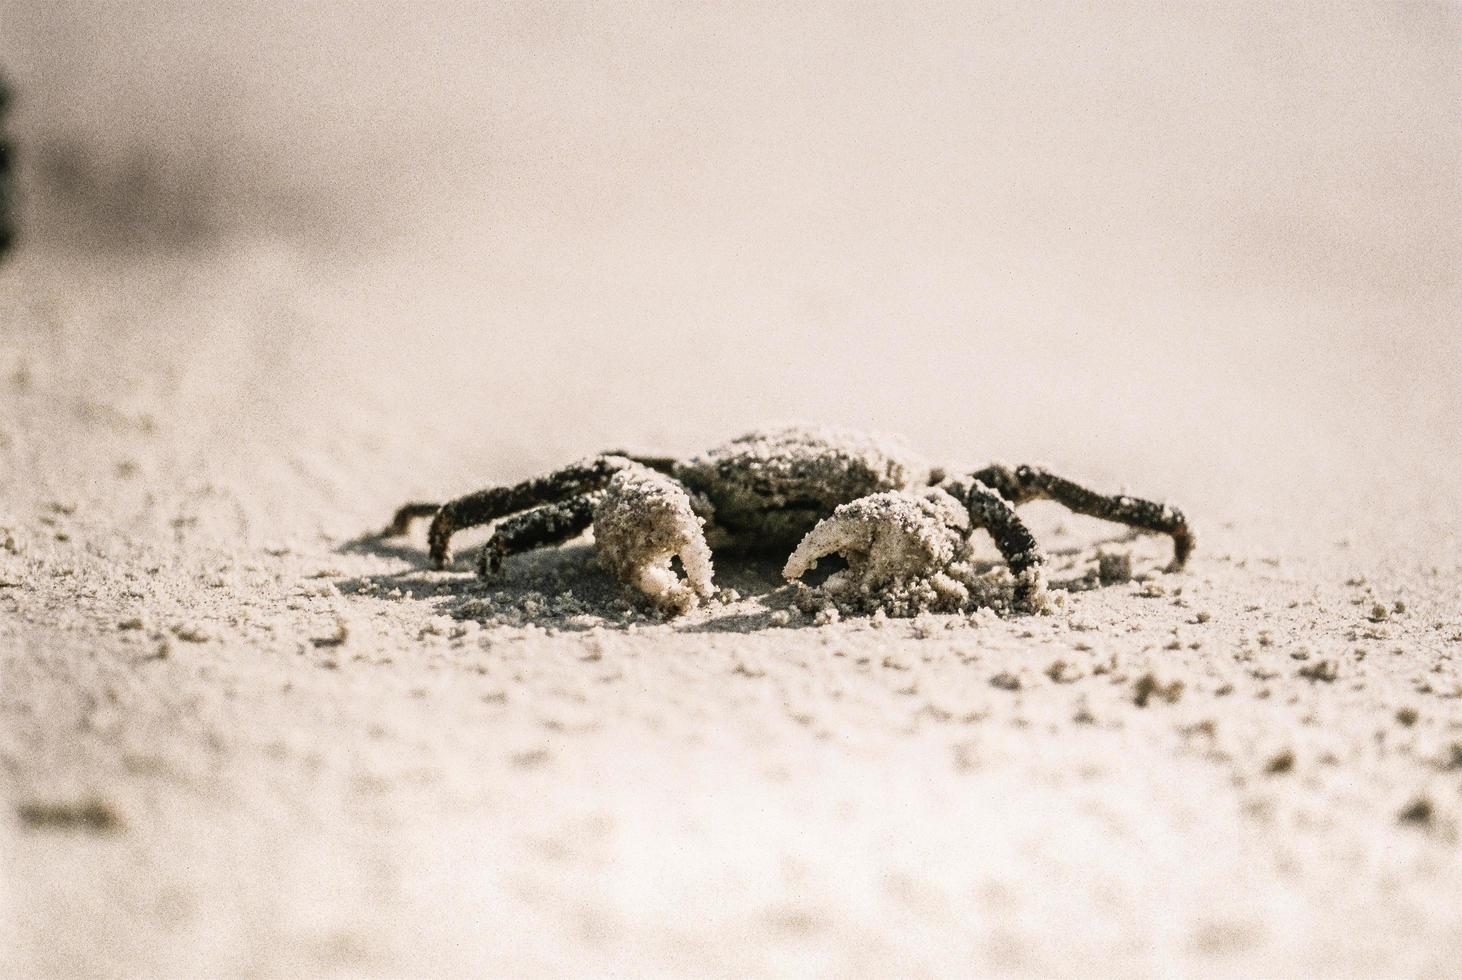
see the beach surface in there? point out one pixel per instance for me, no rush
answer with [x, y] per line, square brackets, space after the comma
[241, 735]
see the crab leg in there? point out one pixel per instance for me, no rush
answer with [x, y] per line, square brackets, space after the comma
[405, 514]
[1026, 483]
[488, 505]
[1017, 545]
[537, 528]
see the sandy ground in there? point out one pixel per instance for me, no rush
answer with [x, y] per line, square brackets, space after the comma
[272, 290]
[238, 739]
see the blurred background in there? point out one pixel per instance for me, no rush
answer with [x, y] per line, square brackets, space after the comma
[1212, 248]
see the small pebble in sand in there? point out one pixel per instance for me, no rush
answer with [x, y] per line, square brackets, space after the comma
[1419, 812]
[191, 632]
[1005, 681]
[1207, 728]
[1407, 716]
[1453, 761]
[335, 639]
[1148, 686]
[1279, 764]
[1060, 672]
[1114, 569]
[1321, 671]
[531, 759]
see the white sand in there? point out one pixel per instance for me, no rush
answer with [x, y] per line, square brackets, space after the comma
[1210, 256]
[318, 759]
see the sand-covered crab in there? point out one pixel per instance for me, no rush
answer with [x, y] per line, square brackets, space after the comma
[902, 527]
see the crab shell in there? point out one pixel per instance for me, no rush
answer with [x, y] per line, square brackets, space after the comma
[765, 490]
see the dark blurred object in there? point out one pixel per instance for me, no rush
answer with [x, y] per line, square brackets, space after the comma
[131, 198]
[7, 177]
[140, 201]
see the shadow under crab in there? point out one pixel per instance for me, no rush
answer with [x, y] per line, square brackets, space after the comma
[902, 528]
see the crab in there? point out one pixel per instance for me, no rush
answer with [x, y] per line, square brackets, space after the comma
[901, 528]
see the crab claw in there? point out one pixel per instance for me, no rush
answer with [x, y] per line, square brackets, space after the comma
[643, 522]
[886, 538]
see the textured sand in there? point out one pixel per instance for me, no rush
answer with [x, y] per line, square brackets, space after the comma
[1209, 254]
[235, 740]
